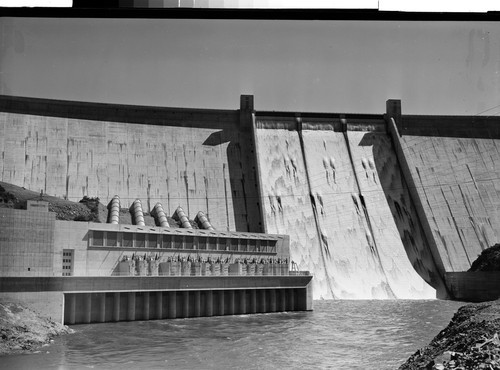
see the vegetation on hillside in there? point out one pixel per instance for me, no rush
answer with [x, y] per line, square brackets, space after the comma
[488, 260]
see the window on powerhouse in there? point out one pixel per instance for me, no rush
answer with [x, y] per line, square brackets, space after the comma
[182, 242]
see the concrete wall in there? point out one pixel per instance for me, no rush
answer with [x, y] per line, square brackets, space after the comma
[476, 286]
[453, 164]
[200, 159]
[72, 235]
[26, 243]
[46, 304]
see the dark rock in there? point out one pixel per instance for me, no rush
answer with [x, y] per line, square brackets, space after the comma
[470, 341]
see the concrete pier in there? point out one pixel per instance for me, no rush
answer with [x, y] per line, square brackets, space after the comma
[116, 307]
[70, 303]
[172, 305]
[104, 307]
[78, 300]
[208, 303]
[197, 303]
[159, 305]
[131, 306]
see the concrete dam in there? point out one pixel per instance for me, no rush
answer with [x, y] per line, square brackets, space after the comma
[324, 185]
[376, 206]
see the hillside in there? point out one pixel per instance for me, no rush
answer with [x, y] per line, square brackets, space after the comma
[488, 260]
[88, 209]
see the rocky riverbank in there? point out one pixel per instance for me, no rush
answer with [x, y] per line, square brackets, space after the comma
[22, 330]
[470, 341]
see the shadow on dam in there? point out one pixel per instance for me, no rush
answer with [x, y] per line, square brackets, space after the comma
[241, 189]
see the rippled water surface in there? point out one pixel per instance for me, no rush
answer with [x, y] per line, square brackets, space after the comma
[336, 335]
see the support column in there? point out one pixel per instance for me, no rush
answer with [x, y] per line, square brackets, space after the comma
[291, 299]
[197, 304]
[145, 306]
[71, 307]
[102, 307]
[243, 301]
[116, 307]
[262, 301]
[172, 305]
[185, 304]
[282, 300]
[272, 300]
[209, 303]
[88, 308]
[253, 301]
[159, 305]
[221, 303]
[231, 305]
[131, 306]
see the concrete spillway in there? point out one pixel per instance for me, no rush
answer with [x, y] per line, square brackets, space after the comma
[324, 188]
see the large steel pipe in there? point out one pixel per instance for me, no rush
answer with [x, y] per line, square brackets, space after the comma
[114, 210]
[203, 222]
[137, 212]
[160, 214]
[181, 216]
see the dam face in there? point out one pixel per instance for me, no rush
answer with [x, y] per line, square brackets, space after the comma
[324, 187]
[376, 206]
[198, 159]
[455, 170]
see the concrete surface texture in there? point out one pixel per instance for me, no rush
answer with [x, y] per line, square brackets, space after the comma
[351, 243]
[477, 286]
[44, 303]
[26, 243]
[201, 169]
[397, 240]
[286, 203]
[456, 179]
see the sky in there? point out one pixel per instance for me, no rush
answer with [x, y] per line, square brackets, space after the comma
[448, 67]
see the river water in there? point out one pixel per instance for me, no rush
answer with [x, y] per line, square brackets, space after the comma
[376, 334]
